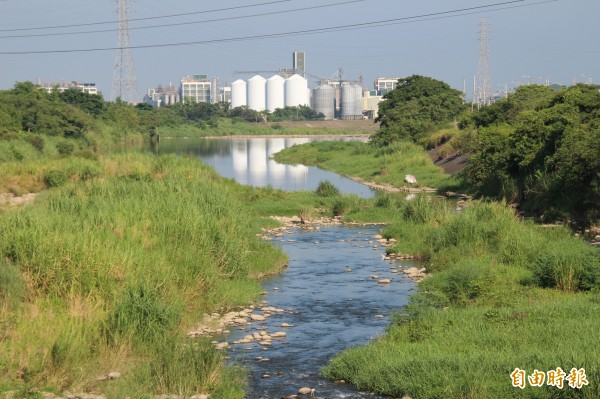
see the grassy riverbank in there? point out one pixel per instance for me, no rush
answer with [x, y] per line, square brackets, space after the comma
[504, 294]
[231, 127]
[113, 264]
[386, 165]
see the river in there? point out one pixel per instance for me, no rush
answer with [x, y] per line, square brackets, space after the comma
[328, 291]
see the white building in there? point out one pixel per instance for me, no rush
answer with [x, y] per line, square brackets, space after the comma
[160, 96]
[89, 88]
[196, 88]
[383, 85]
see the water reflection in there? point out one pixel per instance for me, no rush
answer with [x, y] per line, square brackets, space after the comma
[249, 161]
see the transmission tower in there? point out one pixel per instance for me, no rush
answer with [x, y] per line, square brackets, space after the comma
[482, 94]
[124, 84]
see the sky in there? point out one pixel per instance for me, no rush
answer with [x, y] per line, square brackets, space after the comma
[528, 40]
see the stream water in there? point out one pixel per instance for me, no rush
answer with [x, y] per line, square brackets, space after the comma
[327, 292]
[332, 302]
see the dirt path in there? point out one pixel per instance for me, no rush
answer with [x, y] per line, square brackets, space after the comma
[13, 200]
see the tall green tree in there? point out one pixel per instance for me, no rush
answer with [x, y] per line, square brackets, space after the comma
[418, 106]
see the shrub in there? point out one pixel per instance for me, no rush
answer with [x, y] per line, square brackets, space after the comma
[55, 178]
[327, 189]
[65, 148]
[36, 141]
[568, 268]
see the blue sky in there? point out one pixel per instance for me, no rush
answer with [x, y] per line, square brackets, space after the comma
[532, 40]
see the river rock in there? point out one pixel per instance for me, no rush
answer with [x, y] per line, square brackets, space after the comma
[279, 334]
[284, 325]
[306, 391]
[385, 281]
[257, 317]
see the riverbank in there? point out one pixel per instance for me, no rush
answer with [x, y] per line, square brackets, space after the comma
[504, 295]
[381, 168]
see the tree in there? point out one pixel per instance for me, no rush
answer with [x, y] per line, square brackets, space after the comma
[416, 107]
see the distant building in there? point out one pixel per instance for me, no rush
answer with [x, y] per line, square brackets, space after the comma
[370, 103]
[196, 88]
[299, 63]
[160, 96]
[89, 88]
[383, 85]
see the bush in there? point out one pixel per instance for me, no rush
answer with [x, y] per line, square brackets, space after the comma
[568, 268]
[55, 178]
[65, 148]
[36, 141]
[327, 189]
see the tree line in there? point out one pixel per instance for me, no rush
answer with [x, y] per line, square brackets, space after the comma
[539, 146]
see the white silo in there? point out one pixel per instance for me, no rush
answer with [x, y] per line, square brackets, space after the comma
[295, 91]
[257, 94]
[238, 93]
[324, 101]
[275, 93]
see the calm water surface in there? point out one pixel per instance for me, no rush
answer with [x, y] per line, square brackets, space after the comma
[249, 162]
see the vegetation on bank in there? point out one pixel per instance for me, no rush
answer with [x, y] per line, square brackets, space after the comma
[389, 164]
[121, 262]
[232, 127]
[504, 294]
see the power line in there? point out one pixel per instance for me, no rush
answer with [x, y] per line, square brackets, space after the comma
[188, 23]
[148, 18]
[457, 12]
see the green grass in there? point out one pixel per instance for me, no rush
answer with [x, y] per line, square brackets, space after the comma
[503, 294]
[382, 165]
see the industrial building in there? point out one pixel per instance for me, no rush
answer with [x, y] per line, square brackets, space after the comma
[160, 96]
[89, 88]
[335, 98]
[196, 88]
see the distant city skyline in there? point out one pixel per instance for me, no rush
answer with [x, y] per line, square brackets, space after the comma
[553, 41]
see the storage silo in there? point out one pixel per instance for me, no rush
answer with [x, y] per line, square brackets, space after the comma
[275, 93]
[358, 91]
[351, 101]
[238, 94]
[295, 91]
[324, 101]
[257, 94]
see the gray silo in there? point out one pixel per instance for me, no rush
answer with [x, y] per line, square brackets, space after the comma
[351, 101]
[357, 88]
[324, 101]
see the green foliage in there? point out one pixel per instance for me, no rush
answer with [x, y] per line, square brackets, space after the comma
[327, 189]
[299, 113]
[55, 178]
[65, 148]
[539, 147]
[416, 107]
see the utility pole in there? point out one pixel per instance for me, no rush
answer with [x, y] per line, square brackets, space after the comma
[125, 84]
[482, 79]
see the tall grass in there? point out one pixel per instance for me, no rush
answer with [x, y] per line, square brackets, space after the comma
[118, 260]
